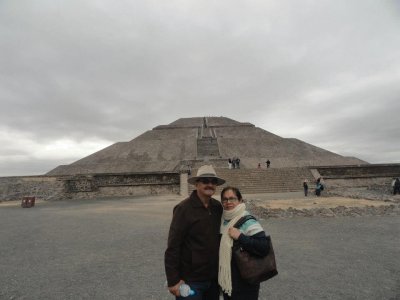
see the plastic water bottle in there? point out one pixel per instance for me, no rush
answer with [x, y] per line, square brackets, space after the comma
[185, 290]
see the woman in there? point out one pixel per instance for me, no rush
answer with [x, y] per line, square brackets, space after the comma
[251, 237]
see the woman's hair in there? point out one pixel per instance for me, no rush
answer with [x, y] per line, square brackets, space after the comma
[234, 190]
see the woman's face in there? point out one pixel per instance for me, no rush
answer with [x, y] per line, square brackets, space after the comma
[229, 200]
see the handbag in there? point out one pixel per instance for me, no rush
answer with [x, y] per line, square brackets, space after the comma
[253, 269]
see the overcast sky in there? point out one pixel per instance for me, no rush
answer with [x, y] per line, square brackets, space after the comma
[78, 75]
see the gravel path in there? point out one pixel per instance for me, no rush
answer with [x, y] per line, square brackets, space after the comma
[113, 249]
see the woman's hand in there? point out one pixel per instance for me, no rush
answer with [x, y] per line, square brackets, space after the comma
[234, 233]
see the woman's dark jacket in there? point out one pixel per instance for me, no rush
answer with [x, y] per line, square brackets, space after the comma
[193, 241]
[257, 244]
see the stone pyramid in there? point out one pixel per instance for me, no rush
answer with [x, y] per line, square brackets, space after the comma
[199, 140]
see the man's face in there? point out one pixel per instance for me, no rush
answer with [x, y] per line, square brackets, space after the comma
[206, 186]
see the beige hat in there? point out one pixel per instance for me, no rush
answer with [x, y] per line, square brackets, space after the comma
[206, 171]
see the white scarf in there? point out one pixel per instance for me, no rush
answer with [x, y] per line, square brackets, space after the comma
[225, 248]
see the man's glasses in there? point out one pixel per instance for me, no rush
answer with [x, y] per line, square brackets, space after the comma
[208, 180]
[230, 199]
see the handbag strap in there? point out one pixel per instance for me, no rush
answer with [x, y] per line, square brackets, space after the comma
[243, 220]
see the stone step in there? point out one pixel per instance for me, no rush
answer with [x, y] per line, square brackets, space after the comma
[251, 181]
[207, 147]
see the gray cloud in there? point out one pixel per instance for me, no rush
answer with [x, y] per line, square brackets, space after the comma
[326, 72]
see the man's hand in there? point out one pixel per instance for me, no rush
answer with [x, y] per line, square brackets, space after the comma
[234, 233]
[174, 290]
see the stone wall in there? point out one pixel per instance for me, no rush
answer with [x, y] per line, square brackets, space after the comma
[365, 181]
[130, 184]
[357, 182]
[338, 179]
[361, 171]
[339, 211]
[43, 187]
[89, 186]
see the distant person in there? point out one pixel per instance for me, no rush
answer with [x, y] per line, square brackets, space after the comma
[238, 162]
[319, 187]
[259, 166]
[230, 163]
[268, 163]
[396, 189]
[305, 187]
[234, 162]
[193, 240]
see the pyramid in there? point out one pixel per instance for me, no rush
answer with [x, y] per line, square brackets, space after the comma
[199, 140]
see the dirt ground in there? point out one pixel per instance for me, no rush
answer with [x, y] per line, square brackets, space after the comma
[323, 202]
[281, 200]
[114, 249]
[298, 201]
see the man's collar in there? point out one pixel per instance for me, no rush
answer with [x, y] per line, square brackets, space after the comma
[196, 201]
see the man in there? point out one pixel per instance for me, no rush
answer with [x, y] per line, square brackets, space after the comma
[319, 187]
[396, 188]
[238, 162]
[193, 241]
[305, 187]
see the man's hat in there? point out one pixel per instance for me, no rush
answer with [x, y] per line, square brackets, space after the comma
[206, 171]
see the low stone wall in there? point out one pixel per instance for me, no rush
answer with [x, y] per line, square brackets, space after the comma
[132, 184]
[360, 171]
[339, 211]
[367, 181]
[42, 187]
[89, 186]
[373, 192]
[357, 182]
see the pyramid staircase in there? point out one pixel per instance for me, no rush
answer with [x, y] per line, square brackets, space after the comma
[207, 147]
[257, 181]
[207, 143]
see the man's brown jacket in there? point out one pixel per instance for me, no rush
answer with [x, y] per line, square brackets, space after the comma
[193, 241]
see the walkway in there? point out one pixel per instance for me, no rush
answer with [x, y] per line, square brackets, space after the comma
[113, 249]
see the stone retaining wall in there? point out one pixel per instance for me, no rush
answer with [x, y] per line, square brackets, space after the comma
[366, 181]
[339, 211]
[43, 187]
[89, 186]
[133, 184]
[357, 182]
[360, 171]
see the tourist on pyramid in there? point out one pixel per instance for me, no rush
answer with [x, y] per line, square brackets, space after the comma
[234, 162]
[238, 162]
[268, 163]
[193, 240]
